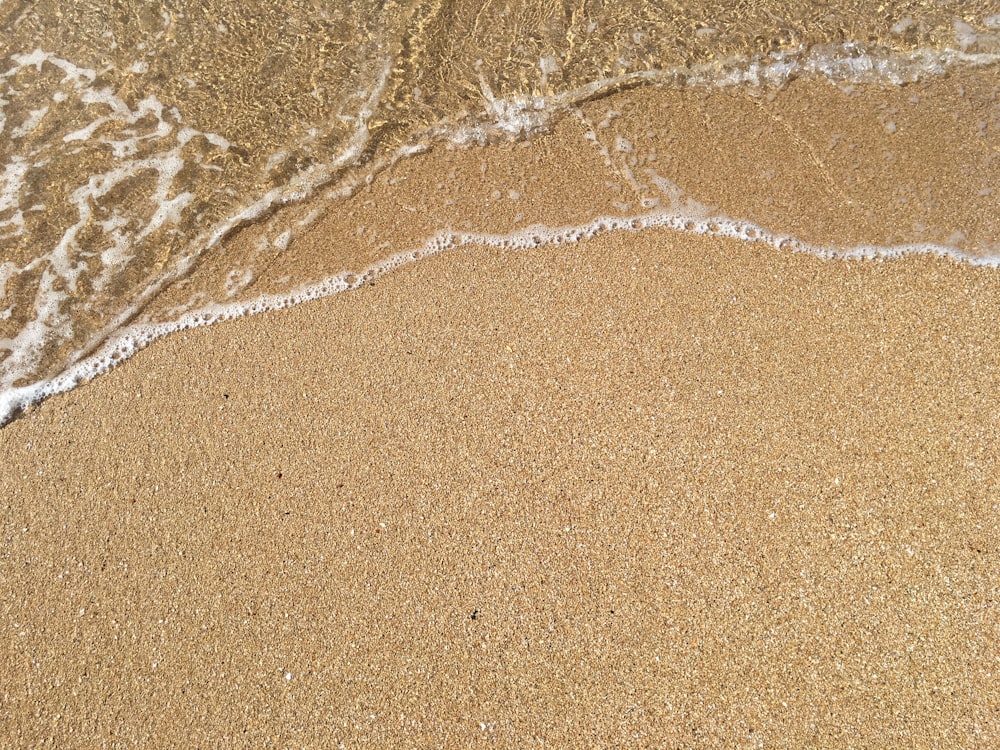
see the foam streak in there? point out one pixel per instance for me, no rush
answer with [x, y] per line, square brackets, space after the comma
[131, 339]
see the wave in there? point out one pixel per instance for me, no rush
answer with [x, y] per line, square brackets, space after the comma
[154, 196]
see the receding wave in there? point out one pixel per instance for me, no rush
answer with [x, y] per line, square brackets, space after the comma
[123, 178]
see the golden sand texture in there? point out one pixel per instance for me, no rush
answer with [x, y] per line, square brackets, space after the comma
[649, 491]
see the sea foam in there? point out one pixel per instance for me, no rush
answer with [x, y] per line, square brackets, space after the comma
[159, 148]
[132, 338]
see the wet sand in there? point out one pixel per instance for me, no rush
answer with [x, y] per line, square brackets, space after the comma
[651, 490]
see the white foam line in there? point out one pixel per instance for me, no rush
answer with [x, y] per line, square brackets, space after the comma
[846, 63]
[131, 339]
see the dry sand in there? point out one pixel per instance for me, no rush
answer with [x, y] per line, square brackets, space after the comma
[651, 490]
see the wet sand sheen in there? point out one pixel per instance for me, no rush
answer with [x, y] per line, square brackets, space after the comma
[712, 498]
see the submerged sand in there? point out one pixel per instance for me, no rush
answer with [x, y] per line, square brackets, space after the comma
[651, 490]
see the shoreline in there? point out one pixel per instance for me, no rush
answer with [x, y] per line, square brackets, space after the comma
[652, 488]
[809, 168]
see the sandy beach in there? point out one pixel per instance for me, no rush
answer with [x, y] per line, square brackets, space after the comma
[508, 499]
[649, 490]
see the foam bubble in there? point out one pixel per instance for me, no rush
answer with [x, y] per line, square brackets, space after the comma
[11, 181]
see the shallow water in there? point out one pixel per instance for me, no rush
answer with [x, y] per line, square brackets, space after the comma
[139, 140]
